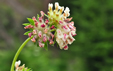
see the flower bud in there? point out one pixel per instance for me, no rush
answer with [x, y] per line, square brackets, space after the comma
[36, 24]
[29, 34]
[51, 42]
[41, 44]
[44, 38]
[52, 27]
[46, 22]
[40, 19]
[43, 25]
[33, 39]
[34, 19]
[35, 32]
[45, 30]
[40, 34]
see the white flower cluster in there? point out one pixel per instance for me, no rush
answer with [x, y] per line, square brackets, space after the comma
[57, 14]
[65, 29]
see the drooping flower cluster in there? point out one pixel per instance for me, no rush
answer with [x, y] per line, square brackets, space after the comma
[65, 29]
[57, 28]
[20, 68]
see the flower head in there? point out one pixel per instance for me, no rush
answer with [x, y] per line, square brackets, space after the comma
[40, 30]
[64, 27]
[57, 27]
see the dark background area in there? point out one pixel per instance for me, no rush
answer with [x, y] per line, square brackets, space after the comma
[92, 50]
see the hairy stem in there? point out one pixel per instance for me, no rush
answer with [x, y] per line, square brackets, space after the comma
[18, 52]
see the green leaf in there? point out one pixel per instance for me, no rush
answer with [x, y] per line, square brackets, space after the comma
[52, 30]
[46, 46]
[31, 21]
[25, 24]
[46, 15]
[26, 33]
[37, 16]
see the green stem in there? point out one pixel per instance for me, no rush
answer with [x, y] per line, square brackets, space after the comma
[18, 52]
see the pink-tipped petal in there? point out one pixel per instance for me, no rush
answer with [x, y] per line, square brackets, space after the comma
[66, 47]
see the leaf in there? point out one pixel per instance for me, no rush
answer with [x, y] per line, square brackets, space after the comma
[26, 33]
[57, 44]
[31, 21]
[46, 15]
[52, 30]
[46, 46]
[25, 24]
[37, 16]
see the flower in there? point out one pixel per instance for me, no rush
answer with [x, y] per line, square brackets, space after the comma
[57, 28]
[21, 68]
[17, 64]
[40, 30]
[64, 27]
[57, 13]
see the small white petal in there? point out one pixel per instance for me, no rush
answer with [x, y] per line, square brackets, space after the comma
[50, 5]
[67, 10]
[17, 63]
[56, 4]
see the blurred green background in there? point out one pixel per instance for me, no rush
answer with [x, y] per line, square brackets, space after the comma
[92, 50]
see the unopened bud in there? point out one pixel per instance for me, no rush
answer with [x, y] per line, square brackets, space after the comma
[41, 44]
[46, 22]
[43, 25]
[51, 42]
[34, 19]
[44, 39]
[35, 32]
[36, 24]
[40, 34]
[52, 27]
[33, 39]
[40, 19]
[29, 34]
[45, 31]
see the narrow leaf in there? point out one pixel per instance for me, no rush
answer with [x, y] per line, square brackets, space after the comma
[25, 24]
[46, 46]
[46, 15]
[37, 16]
[26, 33]
[31, 21]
